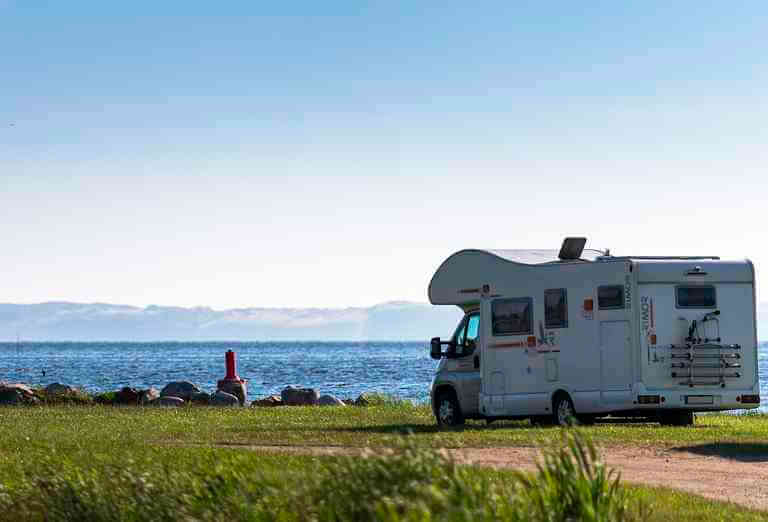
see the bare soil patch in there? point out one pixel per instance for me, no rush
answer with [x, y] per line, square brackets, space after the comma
[742, 480]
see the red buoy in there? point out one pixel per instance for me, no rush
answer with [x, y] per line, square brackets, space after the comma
[231, 366]
[232, 383]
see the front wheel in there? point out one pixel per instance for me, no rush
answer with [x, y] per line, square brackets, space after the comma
[564, 413]
[448, 411]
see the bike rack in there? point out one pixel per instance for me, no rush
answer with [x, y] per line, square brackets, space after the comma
[694, 355]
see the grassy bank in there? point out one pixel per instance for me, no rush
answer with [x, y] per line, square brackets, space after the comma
[106, 463]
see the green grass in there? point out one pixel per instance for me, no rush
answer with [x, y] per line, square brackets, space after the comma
[152, 464]
[668, 504]
[350, 426]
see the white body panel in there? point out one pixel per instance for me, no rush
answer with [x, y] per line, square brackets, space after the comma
[604, 358]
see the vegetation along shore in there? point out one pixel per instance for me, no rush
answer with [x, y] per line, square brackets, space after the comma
[384, 461]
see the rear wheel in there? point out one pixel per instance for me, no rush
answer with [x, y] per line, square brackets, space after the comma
[564, 413]
[447, 410]
[676, 418]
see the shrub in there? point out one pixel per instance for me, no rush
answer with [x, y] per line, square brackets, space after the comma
[380, 399]
[408, 485]
[572, 483]
[105, 397]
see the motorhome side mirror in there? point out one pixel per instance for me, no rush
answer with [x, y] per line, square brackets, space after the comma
[435, 349]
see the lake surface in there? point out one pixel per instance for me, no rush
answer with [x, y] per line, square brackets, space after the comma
[344, 369]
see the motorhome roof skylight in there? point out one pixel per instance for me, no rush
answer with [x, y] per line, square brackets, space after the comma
[572, 248]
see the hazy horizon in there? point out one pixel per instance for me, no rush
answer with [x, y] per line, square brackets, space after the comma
[94, 322]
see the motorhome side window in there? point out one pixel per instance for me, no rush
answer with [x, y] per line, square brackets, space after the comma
[512, 316]
[696, 297]
[556, 308]
[610, 297]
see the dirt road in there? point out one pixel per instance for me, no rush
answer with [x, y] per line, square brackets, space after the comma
[711, 472]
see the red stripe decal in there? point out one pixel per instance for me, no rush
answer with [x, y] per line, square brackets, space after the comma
[516, 344]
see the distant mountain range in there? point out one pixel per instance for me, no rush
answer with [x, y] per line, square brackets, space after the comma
[59, 321]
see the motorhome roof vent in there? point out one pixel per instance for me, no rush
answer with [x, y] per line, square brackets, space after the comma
[572, 248]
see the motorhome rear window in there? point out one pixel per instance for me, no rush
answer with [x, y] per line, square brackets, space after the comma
[512, 316]
[610, 297]
[696, 297]
[556, 308]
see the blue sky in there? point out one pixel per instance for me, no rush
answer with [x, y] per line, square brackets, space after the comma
[237, 154]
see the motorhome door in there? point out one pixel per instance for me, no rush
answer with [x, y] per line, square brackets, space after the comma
[615, 367]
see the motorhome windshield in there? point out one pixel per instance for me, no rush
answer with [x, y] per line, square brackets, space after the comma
[466, 334]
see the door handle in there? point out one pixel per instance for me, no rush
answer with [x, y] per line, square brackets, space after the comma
[476, 360]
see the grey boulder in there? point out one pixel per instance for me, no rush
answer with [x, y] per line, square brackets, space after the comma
[148, 395]
[238, 388]
[181, 389]
[168, 401]
[127, 395]
[299, 396]
[200, 398]
[58, 389]
[330, 400]
[17, 393]
[222, 398]
[268, 402]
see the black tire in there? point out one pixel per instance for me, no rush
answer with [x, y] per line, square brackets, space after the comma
[676, 418]
[448, 410]
[563, 412]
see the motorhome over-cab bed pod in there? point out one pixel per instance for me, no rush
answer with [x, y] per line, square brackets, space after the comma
[584, 333]
[460, 279]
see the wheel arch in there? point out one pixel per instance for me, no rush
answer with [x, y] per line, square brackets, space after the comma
[445, 388]
[442, 389]
[558, 393]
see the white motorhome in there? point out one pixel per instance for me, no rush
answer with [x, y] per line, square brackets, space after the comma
[555, 336]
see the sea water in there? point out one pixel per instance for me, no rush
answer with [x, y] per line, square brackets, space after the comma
[343, 369]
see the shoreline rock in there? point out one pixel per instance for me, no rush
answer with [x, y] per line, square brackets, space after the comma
[222, 398]
[184, 391]
[167, 401]
[330, 400]
[57, 388]
[299, 396]
[268, 402]
[181, 389]
[16, 394]
[200, 398]
[127, 395]
[148, 395]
